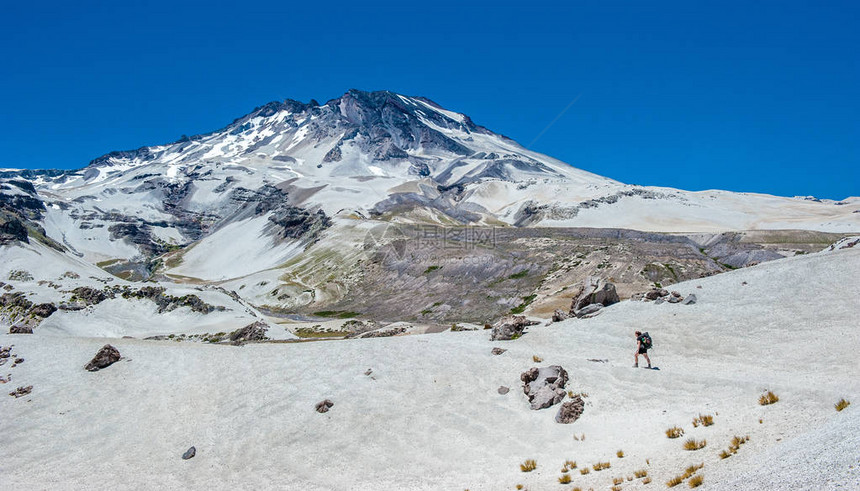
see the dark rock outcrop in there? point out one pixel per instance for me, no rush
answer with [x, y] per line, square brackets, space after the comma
[89, 296]
[21, 391]
[43, 310]
[570, 411]
[106, 357]
[20, 329]
[544, 386]
[510, 327]
[252, 332]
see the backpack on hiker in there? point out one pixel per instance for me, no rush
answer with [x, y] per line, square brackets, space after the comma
[645, 339]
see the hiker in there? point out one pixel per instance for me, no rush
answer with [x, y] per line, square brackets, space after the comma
[643, 343]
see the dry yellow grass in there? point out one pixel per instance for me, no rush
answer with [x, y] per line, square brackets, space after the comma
[675, 432]
[601, 465]
[617, 480]
[704, 420]
[584, 471]
[768, 398]
[693, 444]
[620, 454]
[647, 480]
[564, 479]
[842, 404]
[615, 488]
[537, 359]
[528, 466]
[671, 483]
[724, 454]
[640, 473]
[689, 471]
[696, 481]
[519, 486]
[568, 466]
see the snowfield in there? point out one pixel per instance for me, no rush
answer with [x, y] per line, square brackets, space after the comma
[429, 415]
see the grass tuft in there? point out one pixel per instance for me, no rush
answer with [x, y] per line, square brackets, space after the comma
[537, 359]
[689, 471]
[696, 481]
[647, 480]
[768, 398]
[671, 483]
[704, 420]
[693, 444]
[617, 480]
[601, 465]
[620, 454]
[640, 473]
[564, 479]
[584, 471]
[528, 466]
[675, 432]
[842, 404]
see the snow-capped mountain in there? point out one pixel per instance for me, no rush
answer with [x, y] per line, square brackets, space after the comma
[252, 197]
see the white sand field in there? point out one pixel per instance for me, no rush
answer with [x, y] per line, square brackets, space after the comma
[430, 417]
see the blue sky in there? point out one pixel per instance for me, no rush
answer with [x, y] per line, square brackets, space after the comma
[746, 96]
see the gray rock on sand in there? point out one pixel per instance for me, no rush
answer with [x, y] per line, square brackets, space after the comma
[691, 299]
[510, 327]
[19, 329]
[324, 406]
[594, 290]
[589, 310]
[656, 293]
[544, 386]
[570, 411]
[673, 299]
[190, 453]
[504, 390]
[559, 315]
[106, 357]
[498, 351]
[659, 301]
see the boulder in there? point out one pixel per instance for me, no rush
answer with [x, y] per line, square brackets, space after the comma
[570, 411]
[691, 299]
[43, 310]
[324, 406]
[510, 327]
[20, 329]
[252, 332]
[544, 386]
[588, 310]
[594, 290]
[498, 351]
[559, 315]
[190, 453]
[106, 357]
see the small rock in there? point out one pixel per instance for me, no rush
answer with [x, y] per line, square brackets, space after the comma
[559, 315]
[691, 299]
[659, 301]
[21, 391]
[498, 351]
[17, 361]
[673, 299]
[570, 411]
[191, 452]
[676, 294]
[504, 390]
[368, 372]
[5, 351]
[324, 406]
[106, 357]
[19, 329]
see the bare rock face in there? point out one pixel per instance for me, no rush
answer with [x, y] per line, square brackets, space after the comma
[592, 291]
[20, 329]
[106, 357]
[559, 315]
[251, 332]
[190, 453]
[324, 406]
[544, 386]
[570, 411]
[509, 327]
